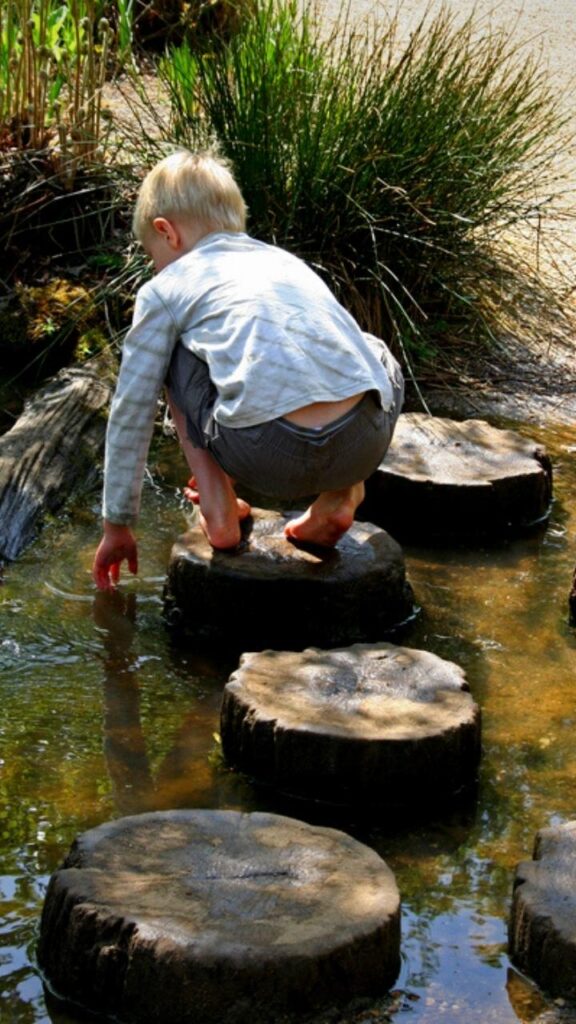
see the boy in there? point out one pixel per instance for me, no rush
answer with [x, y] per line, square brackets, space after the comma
[270, 381]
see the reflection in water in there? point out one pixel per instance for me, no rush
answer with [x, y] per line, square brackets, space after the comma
[101, 716]
[524, 996]
[124, 743]
[187, 774]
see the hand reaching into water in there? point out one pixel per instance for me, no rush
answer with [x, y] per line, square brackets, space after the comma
[117, 544]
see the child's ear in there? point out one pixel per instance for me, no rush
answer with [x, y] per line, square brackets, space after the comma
[167, 230]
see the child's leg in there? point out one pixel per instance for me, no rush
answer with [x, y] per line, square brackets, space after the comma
[332, 514]
[191, 492]
[220, 510]
[328, 518]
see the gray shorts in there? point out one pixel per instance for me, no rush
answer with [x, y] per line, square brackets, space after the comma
[278, 458]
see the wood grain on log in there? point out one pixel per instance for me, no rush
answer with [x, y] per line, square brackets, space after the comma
[444, 479]
[272, 593]
[52, 447]
[218, 917]
[371, 725]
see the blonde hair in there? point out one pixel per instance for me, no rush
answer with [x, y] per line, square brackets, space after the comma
[194, 186]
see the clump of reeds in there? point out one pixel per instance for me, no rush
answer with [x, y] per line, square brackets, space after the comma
[388, 165]
[53, 60]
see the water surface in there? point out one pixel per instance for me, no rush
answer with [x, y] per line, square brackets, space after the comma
[102, 714]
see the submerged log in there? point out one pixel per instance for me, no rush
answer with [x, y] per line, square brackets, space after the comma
[52, 447]
[542, 930]
[442, 479]
[218, 917]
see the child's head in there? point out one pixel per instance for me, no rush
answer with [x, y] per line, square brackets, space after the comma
[193, 187]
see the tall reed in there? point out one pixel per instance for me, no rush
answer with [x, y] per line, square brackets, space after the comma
[53, 60]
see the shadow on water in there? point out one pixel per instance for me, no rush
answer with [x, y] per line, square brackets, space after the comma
[103, 715]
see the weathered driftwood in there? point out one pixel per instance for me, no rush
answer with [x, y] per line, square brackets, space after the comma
[542, 929]
[371, 725]
[52, 447]
[218, 917]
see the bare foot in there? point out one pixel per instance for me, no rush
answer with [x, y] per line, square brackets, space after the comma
[328, 518]
[191, 493]
[219, 518]
[223, 534]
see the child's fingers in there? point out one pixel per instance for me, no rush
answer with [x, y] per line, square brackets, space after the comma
[108, 561]
[101, 578]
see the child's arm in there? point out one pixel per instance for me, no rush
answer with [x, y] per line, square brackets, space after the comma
[147, 351]
[118, 543]
[146, 355]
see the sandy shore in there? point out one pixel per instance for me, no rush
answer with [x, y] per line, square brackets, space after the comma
[544, 28]
[547, 27]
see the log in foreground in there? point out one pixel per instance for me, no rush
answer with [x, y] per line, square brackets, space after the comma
[371, 725]
[271, 593]
[52, 448]
[542, 930]
[442, 479]
[217, 917]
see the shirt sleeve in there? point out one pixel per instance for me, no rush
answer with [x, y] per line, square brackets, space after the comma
[146, 355]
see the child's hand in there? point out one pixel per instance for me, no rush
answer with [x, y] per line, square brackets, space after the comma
[117, 544]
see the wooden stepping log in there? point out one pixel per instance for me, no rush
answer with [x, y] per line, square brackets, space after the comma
[372, 724]
[542, 930]
[441, 479]
[217, 917]
[271, 593]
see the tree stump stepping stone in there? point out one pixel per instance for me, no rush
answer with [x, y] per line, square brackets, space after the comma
[271, 593]
[542, 929]
[370, 725]
[217, 917]
[442, 478]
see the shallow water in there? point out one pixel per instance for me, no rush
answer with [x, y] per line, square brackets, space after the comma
[103, 715]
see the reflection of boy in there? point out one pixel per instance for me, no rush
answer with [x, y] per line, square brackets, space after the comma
[270, 381]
